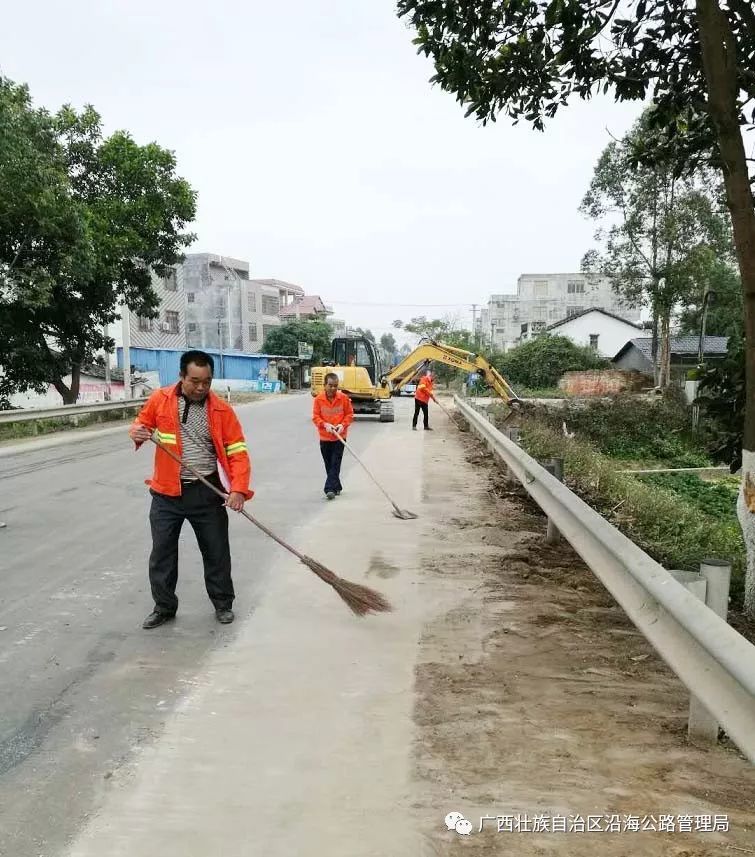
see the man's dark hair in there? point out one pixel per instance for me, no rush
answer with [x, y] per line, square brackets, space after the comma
[330, 375]
[198, 358]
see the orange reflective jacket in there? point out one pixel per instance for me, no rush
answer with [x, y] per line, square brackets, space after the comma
[424, 390]
[338, 412]
[160, 413]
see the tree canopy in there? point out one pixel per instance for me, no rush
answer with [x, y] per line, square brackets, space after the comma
[85, 223]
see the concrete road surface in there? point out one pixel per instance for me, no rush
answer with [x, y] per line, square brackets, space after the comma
[280, 734]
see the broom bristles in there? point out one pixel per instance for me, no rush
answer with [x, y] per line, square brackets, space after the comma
[360, 599]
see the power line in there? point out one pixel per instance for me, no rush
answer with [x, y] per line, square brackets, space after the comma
[367, 303]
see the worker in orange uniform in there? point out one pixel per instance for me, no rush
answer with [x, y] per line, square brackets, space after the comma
[332, 413]
[422, 396]
[204, 431]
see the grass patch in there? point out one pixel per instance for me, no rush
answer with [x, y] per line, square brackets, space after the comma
[543, 393]
[677, 524]
[717, 499]
[631, 428]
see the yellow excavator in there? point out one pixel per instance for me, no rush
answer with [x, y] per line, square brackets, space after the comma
[356, 362]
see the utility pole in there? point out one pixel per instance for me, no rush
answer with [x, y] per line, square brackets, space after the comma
[474, 323]
[126, 324]
[108, 393]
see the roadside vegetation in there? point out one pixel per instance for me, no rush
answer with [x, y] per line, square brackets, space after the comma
[677, 518]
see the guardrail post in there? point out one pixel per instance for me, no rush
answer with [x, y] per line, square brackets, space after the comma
[711, 586]
[554, 466]
[702, 726]
[718, 574]
[513, 434]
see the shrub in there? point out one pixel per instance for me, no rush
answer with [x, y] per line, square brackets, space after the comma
[540, 363]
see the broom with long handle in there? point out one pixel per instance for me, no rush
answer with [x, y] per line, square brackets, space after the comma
[404, 514]
[359, 599]
[450, 416]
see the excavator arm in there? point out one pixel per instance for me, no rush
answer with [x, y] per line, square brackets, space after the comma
[429, 351]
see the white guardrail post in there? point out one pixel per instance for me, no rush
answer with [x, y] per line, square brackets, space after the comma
[714, 662]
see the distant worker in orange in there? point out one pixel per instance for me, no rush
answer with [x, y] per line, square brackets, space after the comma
[422, 396]
[332, 413]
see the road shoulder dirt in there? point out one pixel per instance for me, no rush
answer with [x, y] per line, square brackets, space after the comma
[535, 695]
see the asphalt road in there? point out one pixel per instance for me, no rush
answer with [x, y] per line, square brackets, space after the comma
[84, 689]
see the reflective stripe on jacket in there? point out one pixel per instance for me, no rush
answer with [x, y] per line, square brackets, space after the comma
[338, 412]
[160, 414]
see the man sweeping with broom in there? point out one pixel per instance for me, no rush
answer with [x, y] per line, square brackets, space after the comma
[332, 413]
[422, 397]
[198, 434]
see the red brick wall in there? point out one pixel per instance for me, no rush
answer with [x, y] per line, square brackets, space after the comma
[603, 382]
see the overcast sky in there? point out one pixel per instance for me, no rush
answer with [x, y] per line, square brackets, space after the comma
[319, 150]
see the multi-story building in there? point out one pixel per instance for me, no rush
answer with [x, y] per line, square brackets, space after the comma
[543, 299]
[209, 301]
[168, 330]
[267, 299]
[306, 307]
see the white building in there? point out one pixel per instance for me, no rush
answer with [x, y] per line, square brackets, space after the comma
[266, 299]
[598, 329]
[543, 299]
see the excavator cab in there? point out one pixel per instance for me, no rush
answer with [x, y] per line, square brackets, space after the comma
[356, 362]
[357, 351]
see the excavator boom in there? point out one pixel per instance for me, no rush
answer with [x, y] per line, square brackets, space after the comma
[356, 363]
[429, 351]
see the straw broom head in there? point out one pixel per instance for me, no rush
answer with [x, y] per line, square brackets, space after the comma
[361, 600]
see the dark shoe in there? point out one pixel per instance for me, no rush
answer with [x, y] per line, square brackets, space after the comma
[330, 494]
[338, 493]
[427, 428]
[414, 428]
[225, 617]
[155, 619]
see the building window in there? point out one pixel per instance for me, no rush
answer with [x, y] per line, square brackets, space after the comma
[252, 302]
[252, 332]
[145, 324]
[170, 282]
[573, 310]
[575, 287]
[270, 305]
[594, 341]
[191, 326]
[266, 328]
[171, 316]
[190, 297]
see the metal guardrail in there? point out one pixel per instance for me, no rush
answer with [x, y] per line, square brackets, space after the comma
[715, 663]
[24, 415]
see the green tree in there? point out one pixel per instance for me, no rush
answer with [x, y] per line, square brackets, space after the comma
[664, 232]
[540, 363]
[721, 397]
[388, 341]
[367, 334]
[725, 315]
[693, 60]
[112, 216]
[285, 339]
